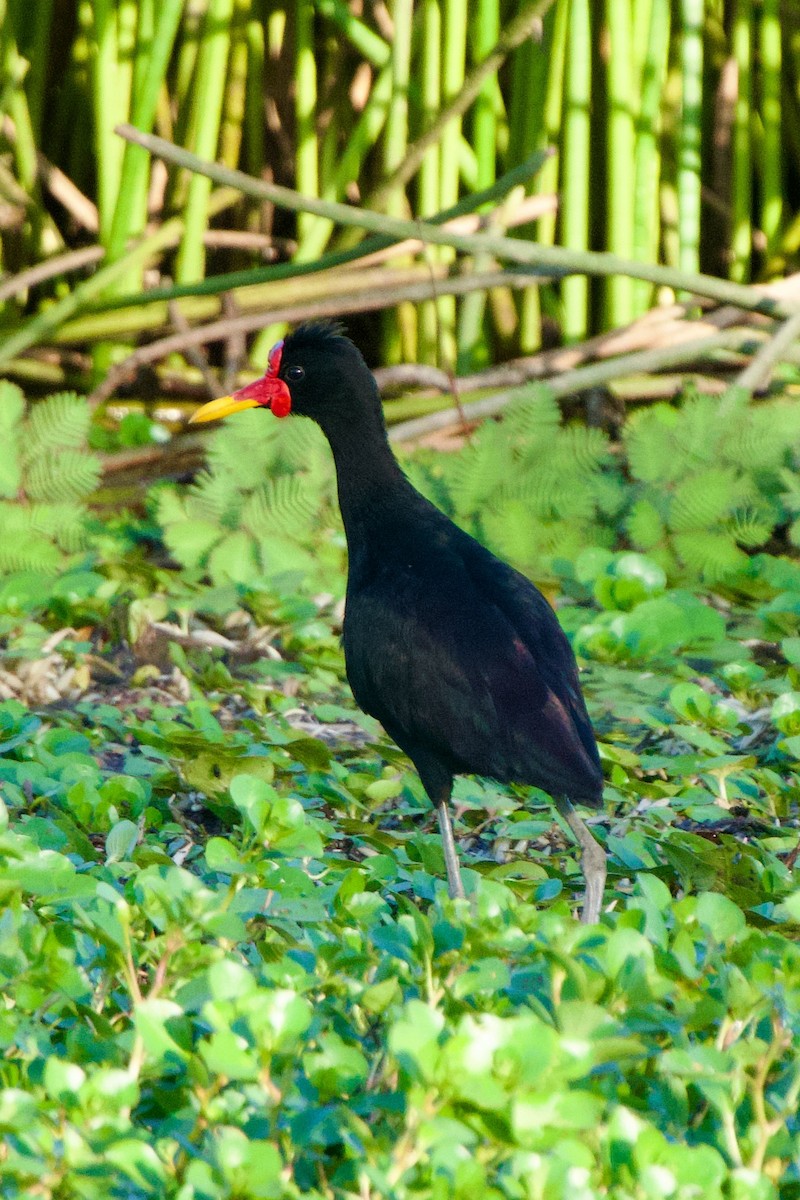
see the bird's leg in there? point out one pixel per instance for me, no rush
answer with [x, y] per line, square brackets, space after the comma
[454, 885]
[593, 861]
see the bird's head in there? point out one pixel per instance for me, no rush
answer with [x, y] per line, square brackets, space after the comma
[315, 372]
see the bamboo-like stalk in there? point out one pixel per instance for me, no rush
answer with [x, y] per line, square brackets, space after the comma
[305, 115]
[446, 128]
[575, 165]
[40, 16]
[428, 178]
[395, 136]
[619, 307]
[209, 87]
[485, 34]
[254, 96]
[369, 44]
[741, 234]
[78, 94]
[156, 38]
[769, 41]
[115, 38]
[690, 134]
[647, 170]
[641, 16]
[454, 29]
[188, 52]
[400, 335]
[552, 56]
[16, 102]
[233, 107]
[471, 342]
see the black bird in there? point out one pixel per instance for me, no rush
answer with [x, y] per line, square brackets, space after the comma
[458, 656]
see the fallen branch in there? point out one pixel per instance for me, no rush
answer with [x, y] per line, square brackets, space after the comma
[547, 259]
[580, 380]
[358, 300]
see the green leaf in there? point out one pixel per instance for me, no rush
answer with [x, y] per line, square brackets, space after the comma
[121, 841]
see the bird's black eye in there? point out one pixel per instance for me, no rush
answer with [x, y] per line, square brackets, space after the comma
[295, 372]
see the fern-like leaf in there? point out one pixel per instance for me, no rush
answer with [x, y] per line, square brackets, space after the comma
[712, 555]
[190, 542]
[650, 444]
[480, 469]
[215, 497]
[283, 506]
[57, 423]
[533, 417]
[645, 527]
[699, 431]
[702, 500]
[64, 524]
[62, 475]
[751, 525]
[244, 448]
[760, 438]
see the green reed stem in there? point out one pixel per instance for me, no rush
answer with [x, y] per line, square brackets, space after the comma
[458, 94]
[550, 57]
[399, 334]
[428, 181]
[556, 52]
[254, 97]
[108, 150]
[454, 40]
[472, 347]
[575, 165]
[485, 34]
[189, 49]
[233, 106]
[370, 45]
[771, 156]
[395, 136]
[40, 16]
[207, 94]
[154, 47]
[690, 133]
[430, 99]
[618, 308]
[305, 114]
[742, 182]
[647, 169]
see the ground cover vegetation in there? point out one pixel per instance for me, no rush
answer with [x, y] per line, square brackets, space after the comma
[230, 966]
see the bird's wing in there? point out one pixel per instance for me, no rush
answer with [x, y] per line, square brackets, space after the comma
[548, 653]
[474, 670]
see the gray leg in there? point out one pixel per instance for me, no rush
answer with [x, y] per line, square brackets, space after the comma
[593, 861]
[454, 884]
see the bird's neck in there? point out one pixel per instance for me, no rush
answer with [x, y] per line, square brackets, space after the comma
[368, 477]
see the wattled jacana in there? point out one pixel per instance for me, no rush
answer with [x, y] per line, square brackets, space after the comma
[458, 656]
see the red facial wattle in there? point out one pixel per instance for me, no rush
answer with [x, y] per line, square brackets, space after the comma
[279, 396]
[270, 391]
